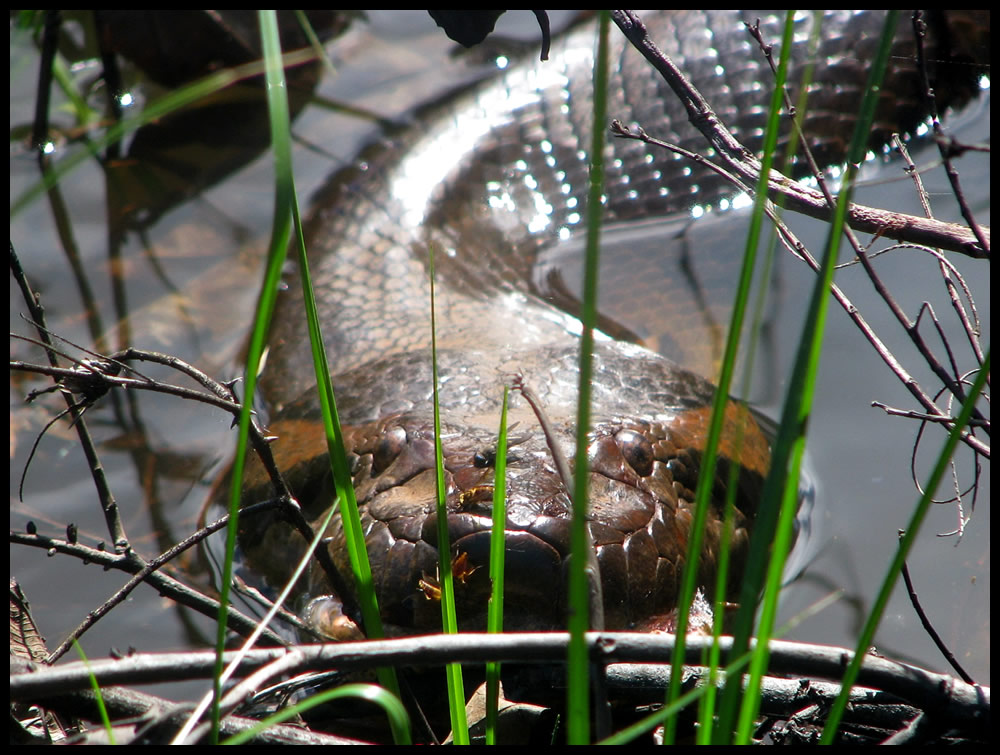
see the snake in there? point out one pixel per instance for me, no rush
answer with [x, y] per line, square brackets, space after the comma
[490, 182]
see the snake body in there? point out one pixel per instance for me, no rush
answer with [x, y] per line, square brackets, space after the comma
[488, 182]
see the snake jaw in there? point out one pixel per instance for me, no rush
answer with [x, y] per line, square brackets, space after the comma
[643, 473]
[641, 477]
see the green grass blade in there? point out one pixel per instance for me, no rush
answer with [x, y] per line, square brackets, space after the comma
[449, 620]
[774, 525]
[498, 551]
[578, 677]
[340, 469]
[706, 706]
[786, 505]
[799, 414]
[671, 711]
[905, 544]
[83, 113]
[286, 209]
[162, 107]
[277, 248]
[804, 80]
[346, 500]
[399, 720]
[98, 697]
[706, 476]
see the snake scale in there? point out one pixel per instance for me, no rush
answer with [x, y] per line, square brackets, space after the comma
[490, 180]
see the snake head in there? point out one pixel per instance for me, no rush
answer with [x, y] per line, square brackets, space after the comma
[643, 473]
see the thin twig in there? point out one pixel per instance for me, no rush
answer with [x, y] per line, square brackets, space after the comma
[151, 566]
[950, 699]
[946, 146]
[221, 396]
[910, 169]
[929, 628]
[747, 167]
[909, 327]
[798, 197]
[167, 586]
[109, 506]
[552, 440]
[152, 716]
[922, 416]
[800, 251]
[100, 380]
[971, 327]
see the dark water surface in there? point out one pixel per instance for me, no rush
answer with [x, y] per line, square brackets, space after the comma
[187, 283]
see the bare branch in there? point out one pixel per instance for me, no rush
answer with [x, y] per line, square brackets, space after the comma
[795, 195]
[132, 564]
[108, 505]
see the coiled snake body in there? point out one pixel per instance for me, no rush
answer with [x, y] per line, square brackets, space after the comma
[488, 182]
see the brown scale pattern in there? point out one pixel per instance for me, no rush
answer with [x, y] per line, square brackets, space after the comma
[650, 416]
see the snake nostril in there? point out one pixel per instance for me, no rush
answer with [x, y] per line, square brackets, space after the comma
[393, 441]
[638, 451]
[353, 463]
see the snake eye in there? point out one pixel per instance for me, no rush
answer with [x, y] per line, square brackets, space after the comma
[387, 449]
[638, 451]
